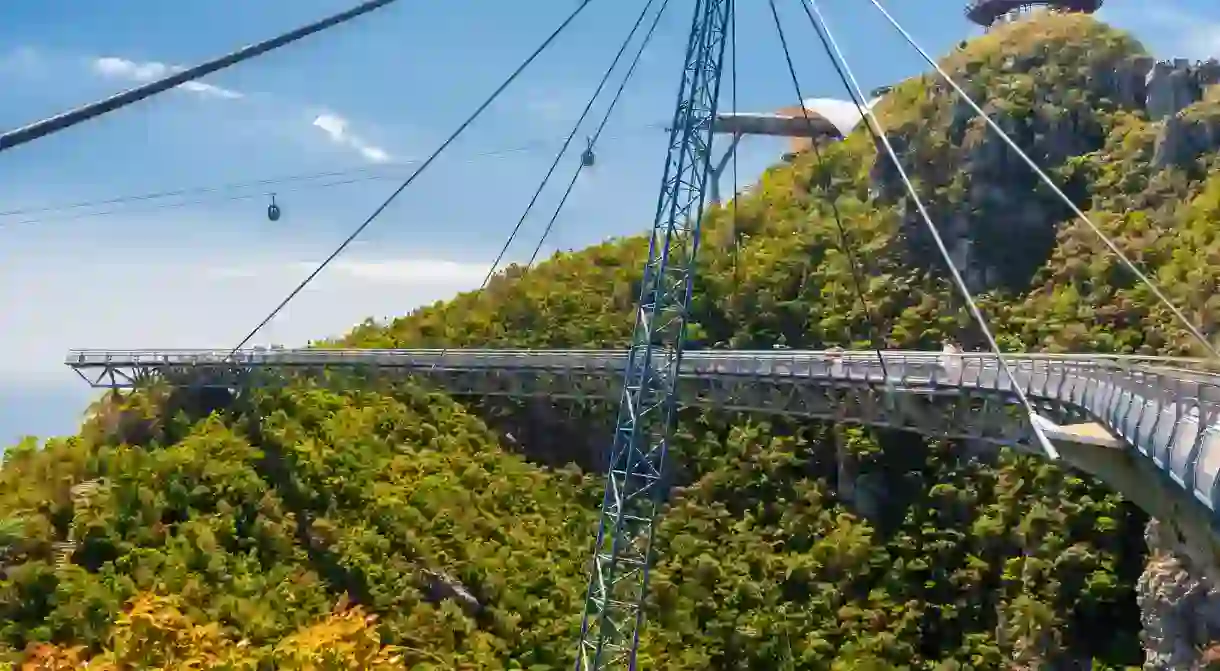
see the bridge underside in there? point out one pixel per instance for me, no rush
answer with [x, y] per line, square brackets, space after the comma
[949, 413]
[976, 416]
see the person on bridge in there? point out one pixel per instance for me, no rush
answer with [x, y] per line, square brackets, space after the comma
[951, 359]
[835, 354]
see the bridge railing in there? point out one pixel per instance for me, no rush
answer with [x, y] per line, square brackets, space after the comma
[1167, 408]
[1037, 373]
[157, 356]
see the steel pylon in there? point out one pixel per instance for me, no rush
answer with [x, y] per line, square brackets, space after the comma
[618, 584]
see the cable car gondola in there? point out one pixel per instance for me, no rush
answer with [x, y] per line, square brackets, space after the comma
[273, 210]
[587, 157]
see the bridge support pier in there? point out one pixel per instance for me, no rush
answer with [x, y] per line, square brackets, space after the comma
[1178, 513]
[1089, 433]
[1092, 449]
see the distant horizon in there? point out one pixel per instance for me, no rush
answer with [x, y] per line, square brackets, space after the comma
[43, 411]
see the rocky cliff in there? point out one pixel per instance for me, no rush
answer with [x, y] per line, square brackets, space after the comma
[1002, 225]
[984, 193]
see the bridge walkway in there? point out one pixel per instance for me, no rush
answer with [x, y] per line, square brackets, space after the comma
[1135, 418]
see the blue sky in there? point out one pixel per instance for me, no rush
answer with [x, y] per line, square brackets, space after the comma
[385, 89]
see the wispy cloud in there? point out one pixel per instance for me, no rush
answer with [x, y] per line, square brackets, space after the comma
[23, 60]
[551, 109]
[1170, 29]
[415, 272]
[338, 129]
[552, 105]
[334, 126]
[1199, 36]
[121, 68]
[1204, 42]
[203, 299]
[184, 300]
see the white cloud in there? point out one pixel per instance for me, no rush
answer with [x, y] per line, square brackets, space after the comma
[121, 68]
[1203, 42]
[551, 109]
[335, 127]
[22, 61]
[339, 131]
[201, 302]
[546, 108]
[1168, 29]
[1196, 36]
[412, 272]
[383, 271]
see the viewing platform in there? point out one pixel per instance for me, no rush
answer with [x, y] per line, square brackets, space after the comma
[987, 13]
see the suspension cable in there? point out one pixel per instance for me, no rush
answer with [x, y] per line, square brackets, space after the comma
[601, 126]
[878, 133]
[734, 233]
[562, 150]
[418, 171]
[575, 128]
[1126, 261]
[70, 118]
[844, 241]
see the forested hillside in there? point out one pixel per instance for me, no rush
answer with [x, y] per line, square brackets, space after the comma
[326, 524]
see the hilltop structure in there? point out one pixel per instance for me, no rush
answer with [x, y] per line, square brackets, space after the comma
[988, 13]
[822, 119]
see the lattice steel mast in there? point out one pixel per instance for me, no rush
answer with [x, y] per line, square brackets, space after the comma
[618, 584]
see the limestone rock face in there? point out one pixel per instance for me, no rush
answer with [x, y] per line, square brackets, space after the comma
[1172, 86]
[1178, 95]
[997, 220]
[1180, 609]
[1188, 135]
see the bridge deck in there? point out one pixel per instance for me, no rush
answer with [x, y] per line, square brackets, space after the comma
[1165, 409]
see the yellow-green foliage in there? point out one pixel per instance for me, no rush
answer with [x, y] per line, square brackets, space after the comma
[153, 633]
[230, 538]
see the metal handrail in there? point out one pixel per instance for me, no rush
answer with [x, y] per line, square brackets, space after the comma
[713, 354]
[1165, 410]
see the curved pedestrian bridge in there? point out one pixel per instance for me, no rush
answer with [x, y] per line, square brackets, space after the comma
[1149, 426]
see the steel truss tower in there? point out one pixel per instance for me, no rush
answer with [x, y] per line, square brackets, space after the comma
[618, 584]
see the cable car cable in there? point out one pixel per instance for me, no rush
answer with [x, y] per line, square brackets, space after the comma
[156, 195]
[419, 171]
[70, 118]
[234, 186]
[191, 203]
